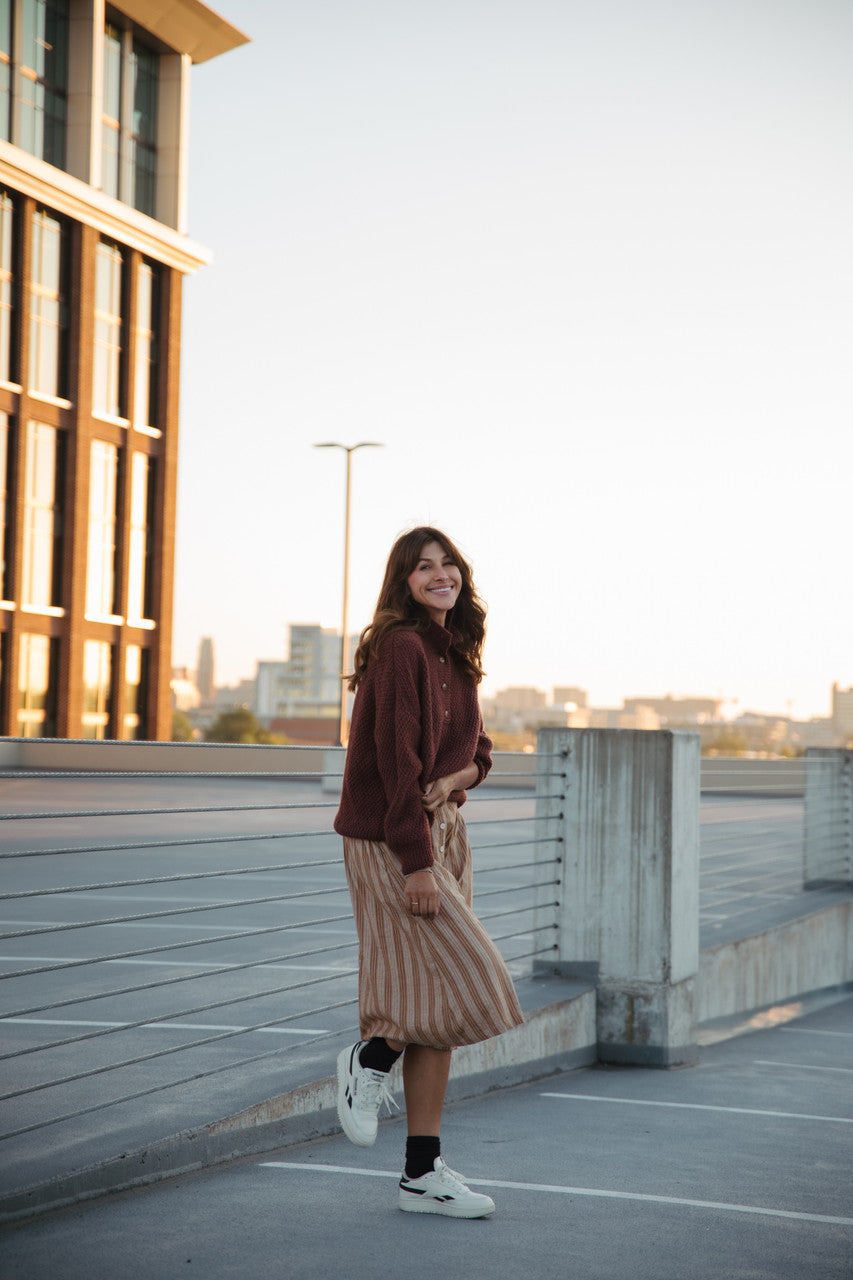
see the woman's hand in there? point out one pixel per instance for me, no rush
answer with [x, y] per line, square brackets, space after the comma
[439, 791]
[422, 895]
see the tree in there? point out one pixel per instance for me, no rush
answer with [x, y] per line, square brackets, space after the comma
[182, 730]
[236, 725]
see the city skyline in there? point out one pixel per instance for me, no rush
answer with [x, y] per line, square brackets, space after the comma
[584, 271]
[729, 708]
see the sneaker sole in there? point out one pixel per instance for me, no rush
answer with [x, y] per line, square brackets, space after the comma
[449, 1209]
[344, 1114]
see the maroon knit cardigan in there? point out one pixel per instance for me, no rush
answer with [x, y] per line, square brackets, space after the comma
[416, 718]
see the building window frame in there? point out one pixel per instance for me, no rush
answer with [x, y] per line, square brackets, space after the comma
[129, 112]
[39, 75]
[97, 689]
[108, 349]
[48, 357]
[43, 534]
[38, 674]
[7, 455]
[102, 550]
[146, 400]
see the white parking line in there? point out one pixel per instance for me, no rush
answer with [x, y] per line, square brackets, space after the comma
[161, 1026]
[592, 1192]
[802, 1066]
[697, 1106]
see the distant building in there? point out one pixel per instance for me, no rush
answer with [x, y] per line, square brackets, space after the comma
[675, 712]
[93, 251]
[639, 717]
[564, 693]
[205, 670]
[842, 712]
[307, 686]
[519, 698]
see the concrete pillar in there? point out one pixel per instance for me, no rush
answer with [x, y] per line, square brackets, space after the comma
[629, 913]
[828, 844]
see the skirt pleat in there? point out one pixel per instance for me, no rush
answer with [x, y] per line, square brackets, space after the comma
[440, 983]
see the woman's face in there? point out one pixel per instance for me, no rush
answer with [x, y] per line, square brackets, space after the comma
[435, 581]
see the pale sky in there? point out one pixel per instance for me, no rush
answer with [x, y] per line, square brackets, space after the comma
[586, 269]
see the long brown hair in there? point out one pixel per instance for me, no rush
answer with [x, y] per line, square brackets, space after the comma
[396, 608]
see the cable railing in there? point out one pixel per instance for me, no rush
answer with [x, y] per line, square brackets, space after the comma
[177, 933]
[70, 1026]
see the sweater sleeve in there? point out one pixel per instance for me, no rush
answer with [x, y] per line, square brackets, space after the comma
[397, 733]
[483, 755]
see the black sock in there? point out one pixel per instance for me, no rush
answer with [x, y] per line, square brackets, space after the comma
[422, 1151]
[377, 1055]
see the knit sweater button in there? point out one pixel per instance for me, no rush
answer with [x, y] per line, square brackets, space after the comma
[444, 686]
[441, 659]
[447, 713]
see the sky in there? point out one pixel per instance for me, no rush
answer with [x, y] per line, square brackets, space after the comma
[585, 269]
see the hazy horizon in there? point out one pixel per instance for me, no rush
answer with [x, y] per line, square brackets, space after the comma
[586, 271]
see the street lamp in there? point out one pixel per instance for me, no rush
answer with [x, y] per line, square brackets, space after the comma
[349, 450]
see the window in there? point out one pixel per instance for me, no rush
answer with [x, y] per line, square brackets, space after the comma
[5, 69]
[38, 668]
[140, 588]
[48, 309]
[111, 113]
[145, 403]
[136, 691]
[129, 118]
[107, 389]
[101, 564]
[42, 560]
[97, 679]
[7, 284]
[42, 79]
[6, 454]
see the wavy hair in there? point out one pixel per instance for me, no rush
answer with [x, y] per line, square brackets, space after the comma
[396, 608]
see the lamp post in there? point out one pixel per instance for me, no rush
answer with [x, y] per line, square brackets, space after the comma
[349, 450]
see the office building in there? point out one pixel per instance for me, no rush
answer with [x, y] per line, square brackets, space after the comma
[93, 251]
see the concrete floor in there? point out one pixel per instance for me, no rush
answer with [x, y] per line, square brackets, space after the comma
[740, 1168]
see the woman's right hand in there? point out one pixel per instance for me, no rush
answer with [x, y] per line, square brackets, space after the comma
[423, 899]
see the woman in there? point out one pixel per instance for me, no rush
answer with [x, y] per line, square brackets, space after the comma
[430, 978]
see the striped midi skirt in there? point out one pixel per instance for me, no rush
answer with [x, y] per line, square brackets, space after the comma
[442, 982]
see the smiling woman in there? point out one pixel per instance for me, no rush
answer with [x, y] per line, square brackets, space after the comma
[430, 978]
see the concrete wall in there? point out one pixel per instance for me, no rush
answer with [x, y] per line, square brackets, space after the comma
[778, 965]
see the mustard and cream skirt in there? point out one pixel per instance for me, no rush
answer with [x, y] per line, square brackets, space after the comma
[441, 982]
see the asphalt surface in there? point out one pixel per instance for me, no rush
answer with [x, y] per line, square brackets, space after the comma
[182, 1015]
[739, 1168]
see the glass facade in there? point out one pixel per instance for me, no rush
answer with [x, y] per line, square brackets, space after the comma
[136, 691]
[145, 392]
[48, 373]
[42, 80]
[107, 388]
[101, 562]
[37, 678]
[129, 118]
[5, 69]
[6, 446]
[143, 129]
[111, 113]
[41, 584]
[7, 286]
[97, 690]
[140, 578]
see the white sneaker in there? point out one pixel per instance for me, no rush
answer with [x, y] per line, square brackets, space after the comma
[361, 1092]
[443, 1191]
